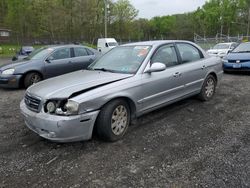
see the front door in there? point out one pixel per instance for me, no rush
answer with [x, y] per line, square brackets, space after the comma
[58, 62]
[161, 87]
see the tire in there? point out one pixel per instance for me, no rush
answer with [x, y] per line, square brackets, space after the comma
[108, 127]
[31, 78]
[208, 88]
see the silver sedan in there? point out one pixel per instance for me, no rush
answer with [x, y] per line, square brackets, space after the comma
[125, 83]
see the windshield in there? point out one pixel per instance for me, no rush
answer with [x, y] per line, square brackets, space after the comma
[123, 59]
[221, 46]
[113, 44]
[40, 53]
[243, 47]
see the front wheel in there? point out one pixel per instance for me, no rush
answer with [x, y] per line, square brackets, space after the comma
[113, 120]
[31, 78]
[208, 88]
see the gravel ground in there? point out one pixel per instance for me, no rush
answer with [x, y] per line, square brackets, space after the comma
[188, 144]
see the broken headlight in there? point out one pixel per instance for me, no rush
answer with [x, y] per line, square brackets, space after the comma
[61, 107]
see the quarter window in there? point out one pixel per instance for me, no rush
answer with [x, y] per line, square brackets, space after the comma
[167, 55]
[80, 52]
[89, 52]
[61, 54]
[189, 53]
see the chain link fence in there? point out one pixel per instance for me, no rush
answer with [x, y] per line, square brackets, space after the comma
[207, 43]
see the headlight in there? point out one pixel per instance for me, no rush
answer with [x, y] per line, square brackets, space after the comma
[61, 107]
[224, 60]
[72, 107]
[8, 71]
[51, 107]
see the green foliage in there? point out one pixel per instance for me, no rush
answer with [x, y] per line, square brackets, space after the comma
[83, 20]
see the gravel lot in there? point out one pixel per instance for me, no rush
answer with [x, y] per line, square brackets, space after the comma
[188, 144]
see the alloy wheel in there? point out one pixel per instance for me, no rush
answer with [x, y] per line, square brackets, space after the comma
[119, 120]
[210, 87]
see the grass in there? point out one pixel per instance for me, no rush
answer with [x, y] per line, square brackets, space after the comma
[9, 50]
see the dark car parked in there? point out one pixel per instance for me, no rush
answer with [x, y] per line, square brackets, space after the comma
[45, 63]
[23, 53]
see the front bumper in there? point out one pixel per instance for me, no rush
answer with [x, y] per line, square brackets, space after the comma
[236, 66]
[60, 128]
[10, 81]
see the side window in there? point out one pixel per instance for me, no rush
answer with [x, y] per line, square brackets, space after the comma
[89, 52]
[80, 52]
[61, 54]
[189, 53]
[167, 55]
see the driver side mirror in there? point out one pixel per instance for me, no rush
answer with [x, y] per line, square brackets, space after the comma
[156, 67]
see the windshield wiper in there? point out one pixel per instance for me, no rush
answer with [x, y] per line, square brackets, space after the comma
[247, 51]
[102, 69]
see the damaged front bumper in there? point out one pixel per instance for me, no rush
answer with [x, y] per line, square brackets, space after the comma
[60, 128]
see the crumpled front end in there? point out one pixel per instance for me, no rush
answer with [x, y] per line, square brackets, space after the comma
[59, 128]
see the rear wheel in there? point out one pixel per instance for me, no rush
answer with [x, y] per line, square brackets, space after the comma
[113, 120]
[208, 88]
[31, 78]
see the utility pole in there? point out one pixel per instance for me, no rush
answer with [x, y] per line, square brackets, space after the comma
[105, 18]
[248, 23]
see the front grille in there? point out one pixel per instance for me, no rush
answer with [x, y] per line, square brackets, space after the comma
[33, 103]
[235, 61]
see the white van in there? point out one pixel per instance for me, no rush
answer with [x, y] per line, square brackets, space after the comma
[106, 44]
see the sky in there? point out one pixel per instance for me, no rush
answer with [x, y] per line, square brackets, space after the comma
[152, 8]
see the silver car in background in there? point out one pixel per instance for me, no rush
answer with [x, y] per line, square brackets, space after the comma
[128, 81]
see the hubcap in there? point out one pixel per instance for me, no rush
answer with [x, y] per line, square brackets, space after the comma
[35, 78]
[119, 120]
[209, 89]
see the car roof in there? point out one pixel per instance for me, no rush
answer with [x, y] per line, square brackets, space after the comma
[65, 45]
[155, 42]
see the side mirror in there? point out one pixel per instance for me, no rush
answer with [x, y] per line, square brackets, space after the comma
[229, 51]
[156, 67]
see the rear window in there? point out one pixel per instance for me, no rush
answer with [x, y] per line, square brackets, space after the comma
[113, 44]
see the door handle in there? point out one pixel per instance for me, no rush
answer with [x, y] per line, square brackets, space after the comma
[203, 67]
[70, 62]
[177, 74]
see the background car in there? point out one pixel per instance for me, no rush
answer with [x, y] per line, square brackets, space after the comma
[222, 49]
[23, 53]
[45, 63]
[126, 82]
[238, 59]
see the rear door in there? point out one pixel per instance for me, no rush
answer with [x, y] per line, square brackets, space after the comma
[83, 57]
[58, 62]
[193, 67]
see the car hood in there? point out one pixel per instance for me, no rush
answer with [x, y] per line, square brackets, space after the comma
[238, 56]
[66, 85]
[15, 64]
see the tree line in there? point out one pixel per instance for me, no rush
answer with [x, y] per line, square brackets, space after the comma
[83, 20]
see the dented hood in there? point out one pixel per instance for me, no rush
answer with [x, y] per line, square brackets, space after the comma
[66, 85]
